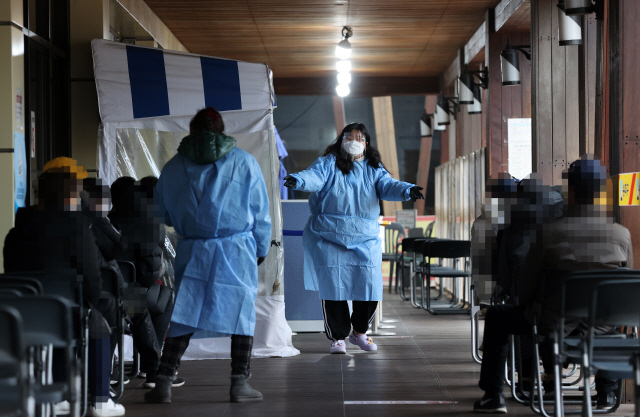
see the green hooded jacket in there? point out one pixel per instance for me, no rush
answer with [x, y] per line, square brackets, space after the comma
[206, 147]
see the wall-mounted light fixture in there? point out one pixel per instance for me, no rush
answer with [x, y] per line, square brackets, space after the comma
[576, 7]
[476, 107]
[510, 63]
[442, 110]
[569, 29]
[467, 84]
[436, 125]
[454, 105]
[425, 125]
[343, 50]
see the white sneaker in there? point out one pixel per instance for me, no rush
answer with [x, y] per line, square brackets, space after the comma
[338, 347]
[363, 341]
[106, 409]
[62, 408]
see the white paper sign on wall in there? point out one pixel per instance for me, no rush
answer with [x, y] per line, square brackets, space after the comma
[520, 156]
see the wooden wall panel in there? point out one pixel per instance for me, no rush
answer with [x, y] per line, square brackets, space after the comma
[422, 178]
[506, 102]
[591, 32]
[629, 101]
[386, 141]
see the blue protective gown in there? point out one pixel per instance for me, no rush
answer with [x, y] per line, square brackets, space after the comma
[342, 247]
[221, 212]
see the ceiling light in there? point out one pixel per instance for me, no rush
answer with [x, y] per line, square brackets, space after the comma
[343, 65]
[569, 30]
[344, 78]
[342, 90]
[343, 50]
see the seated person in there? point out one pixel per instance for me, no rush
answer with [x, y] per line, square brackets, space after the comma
[586, 238]
[143, 238]
[54, 237]
[486, 232]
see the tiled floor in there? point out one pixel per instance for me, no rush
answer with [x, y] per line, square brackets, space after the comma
[433, 364]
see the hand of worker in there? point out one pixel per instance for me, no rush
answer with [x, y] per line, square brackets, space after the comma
[260, 260]
[415, 194]
[289, 181]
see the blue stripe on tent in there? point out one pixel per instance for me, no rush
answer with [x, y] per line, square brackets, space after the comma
[148, 82]
[221, 84]
[292, 233]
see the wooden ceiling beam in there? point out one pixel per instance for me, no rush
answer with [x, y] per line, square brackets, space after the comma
[360, 86]
[504, 10]
[475, 44]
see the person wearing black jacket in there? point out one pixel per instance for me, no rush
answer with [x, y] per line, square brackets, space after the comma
[143, 238]
[54, 237]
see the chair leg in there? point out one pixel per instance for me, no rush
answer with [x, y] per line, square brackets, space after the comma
[391, 265]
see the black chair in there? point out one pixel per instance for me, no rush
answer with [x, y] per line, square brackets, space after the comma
[570, 295]
[613, 303]
[15, 390]
[20, 288]
[48, 324]
[128, 271]
[410, 259]
[23, 278]
[429, 231]
[111, 285]
[415, 232]
[455, 250]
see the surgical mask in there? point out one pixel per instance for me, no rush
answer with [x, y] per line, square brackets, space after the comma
[353, 147]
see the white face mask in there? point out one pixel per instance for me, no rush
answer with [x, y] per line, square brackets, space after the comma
[353, 147]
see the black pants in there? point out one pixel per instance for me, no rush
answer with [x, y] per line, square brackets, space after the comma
[337, 323]
[174, 348]
[161, 321]
[500, 322]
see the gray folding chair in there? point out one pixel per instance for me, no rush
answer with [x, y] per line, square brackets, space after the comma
[48, 324]
[393, 234]
[415, 232]
[14, 375]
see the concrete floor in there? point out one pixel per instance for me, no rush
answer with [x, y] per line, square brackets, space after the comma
[428, 360]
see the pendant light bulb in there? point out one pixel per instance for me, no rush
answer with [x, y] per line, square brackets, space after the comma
[343, 90]
[344, 78]
[343, 50]
[343, 65]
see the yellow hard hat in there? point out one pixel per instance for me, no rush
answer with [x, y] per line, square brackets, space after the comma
[63, 164]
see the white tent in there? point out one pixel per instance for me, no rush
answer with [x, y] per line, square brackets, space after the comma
[146, 98]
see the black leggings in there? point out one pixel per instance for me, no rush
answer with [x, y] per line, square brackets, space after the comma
[174, 348]
[337, 322]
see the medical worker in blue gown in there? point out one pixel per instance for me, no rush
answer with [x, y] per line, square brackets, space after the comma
[342, 248]
[214, 195]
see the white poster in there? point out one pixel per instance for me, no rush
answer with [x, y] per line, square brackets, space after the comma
[407, 218]
[519, 143]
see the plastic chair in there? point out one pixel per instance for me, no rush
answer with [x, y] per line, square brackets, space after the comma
[571, 295]
[445, 249]
[14, 377]
[393, 234]
[429, 231]
[416, 232]
[48, 324]
[27, 278]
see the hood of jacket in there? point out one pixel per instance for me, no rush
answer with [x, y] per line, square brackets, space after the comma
[206, 147]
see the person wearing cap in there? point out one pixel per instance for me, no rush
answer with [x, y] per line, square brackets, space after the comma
[215, 196]
[585, 238]
[55, 237]
[342, 247]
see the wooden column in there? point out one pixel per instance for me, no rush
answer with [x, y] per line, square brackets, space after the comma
[338, 113]
[423, 170]
[386, 138]
[424, 164]
[556, 120]
[624, 103]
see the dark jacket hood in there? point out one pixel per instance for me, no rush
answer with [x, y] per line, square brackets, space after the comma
[206, 147]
